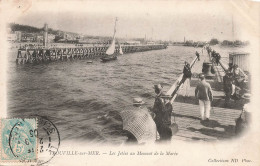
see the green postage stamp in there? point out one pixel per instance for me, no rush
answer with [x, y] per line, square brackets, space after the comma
[18, 140]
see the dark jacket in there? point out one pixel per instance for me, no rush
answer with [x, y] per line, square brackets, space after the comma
[187, 71]
[157, 109]
[203, 91]
[227, 83]
[167, 110]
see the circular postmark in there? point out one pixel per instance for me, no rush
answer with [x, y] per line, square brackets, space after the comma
[28, 142]
[23, 146]
[48, 140]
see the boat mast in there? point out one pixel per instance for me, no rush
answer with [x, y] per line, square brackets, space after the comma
[111, 48]
[115, 28]
[233, 29]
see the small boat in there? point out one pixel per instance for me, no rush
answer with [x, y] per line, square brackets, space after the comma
[89, 61]
[111, 53]
[108, 58]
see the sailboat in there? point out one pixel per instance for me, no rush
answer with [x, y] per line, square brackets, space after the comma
[110, 53]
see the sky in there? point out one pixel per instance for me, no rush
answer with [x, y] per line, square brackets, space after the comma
[164, 20]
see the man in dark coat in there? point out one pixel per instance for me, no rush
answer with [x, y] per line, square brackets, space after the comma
[218, 57]
[227, 86]
[187, 70]
[186, 78]
[165, 130]
[158, 105]
[198, 55]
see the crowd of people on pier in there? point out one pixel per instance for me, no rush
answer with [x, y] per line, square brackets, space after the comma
[235, 81]
[236, 87]
[161, 112]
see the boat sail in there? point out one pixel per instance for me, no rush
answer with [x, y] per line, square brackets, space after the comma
[111, 48]
[110, 53]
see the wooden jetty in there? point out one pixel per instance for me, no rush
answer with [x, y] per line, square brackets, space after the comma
[187, 115]
[40, 55]
[45, 54]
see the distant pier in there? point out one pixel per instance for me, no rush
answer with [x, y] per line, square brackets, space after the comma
[41, 55]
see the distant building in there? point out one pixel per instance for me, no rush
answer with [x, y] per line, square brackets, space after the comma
[28, 37]
[39, 38]
[62, 41]
[11, 37]
[68, 36]
[51, 38]
[133, 42]
[18, 35]
[60, 33]
[150, 43]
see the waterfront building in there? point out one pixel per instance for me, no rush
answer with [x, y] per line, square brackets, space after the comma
[28, 37]
[51, 38]
[39, 38]
[133, 42]
[150, 42]
[18, 35]
[11, 37]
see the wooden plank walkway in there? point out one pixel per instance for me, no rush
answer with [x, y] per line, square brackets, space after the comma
[186, 110]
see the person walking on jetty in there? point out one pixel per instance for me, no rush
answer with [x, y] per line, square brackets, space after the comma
[217, 58]
[198, 55]
[203, 92]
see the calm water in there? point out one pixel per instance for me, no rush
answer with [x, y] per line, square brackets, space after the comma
[73, 94]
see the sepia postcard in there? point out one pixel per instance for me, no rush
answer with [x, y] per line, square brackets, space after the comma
[128, 83]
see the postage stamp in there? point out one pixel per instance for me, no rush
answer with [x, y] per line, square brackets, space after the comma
[18, 140]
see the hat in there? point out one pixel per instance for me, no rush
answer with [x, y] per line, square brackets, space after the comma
[138, 101]
[159, 87]
[235, 66]
[186, 63]
[201, 76]
[246, 96]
